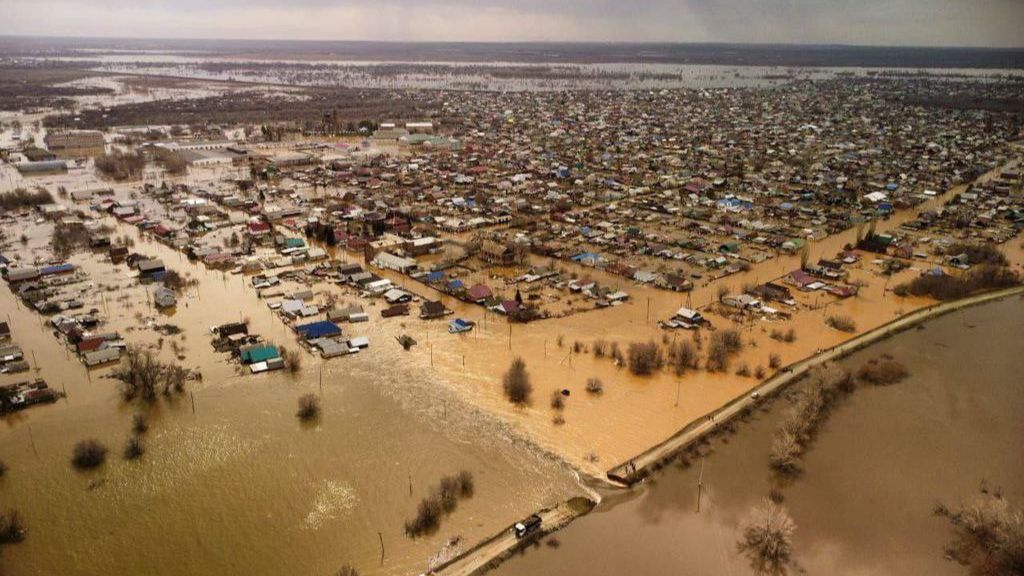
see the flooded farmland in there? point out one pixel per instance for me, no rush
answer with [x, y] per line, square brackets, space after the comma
[240, 472]
[864, 502]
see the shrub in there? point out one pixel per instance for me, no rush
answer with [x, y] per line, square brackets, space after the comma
[516, 383]
[140, 423]
[600, 348]
[644, 358]
[724, 344]
[12, 528]
[988, 535]
[88, 454]
[616, 354]
[309, 407]
[882, 371]
[133, 449]
[743, 370]
[3, 468]
[766, 538]
[442, 500]
[978, 253]
[121, 166]
[841, 323]
[774, 361]
[759, 373]
[824, 386]
[21, 198]
[557, 400]
[683, 356]
[292, 359]
[946, 287]
[595, 386]
[347, 570]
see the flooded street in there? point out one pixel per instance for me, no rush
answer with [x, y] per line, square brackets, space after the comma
[241, 473]
[864, 502]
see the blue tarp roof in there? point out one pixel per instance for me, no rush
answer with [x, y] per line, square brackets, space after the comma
[320, 329]
[585, 256]
[455, 284]
[435, 276]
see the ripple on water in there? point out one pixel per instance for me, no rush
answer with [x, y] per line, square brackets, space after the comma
[332, 498]
[176, 457]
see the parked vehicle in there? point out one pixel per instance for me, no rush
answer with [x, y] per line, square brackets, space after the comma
[527, 526]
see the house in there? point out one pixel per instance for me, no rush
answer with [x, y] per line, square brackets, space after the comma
[258, 353]
[396, 296]
[389, 261]
[433, 309]
[800, 279]
[498, 254]
[479, 293]
[396, 310]
[164, 298]
[150, 268]
[773, 292]
[741, 301]
[225, 330]
[686, 318]
[321, 329]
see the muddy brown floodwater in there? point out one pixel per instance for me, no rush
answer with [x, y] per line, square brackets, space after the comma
[863, 505]
[239, 486]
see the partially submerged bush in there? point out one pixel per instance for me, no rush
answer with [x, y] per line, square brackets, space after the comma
[140, 423]
[841, 323]
[88, 454]
[292, 359]
[825, 385]
[724, 344]
[516, 383]
[309, 407]
[133, 449]
[121, 166]
[767, 539]
[443, 500]
[12, 528]
[946, 287]
[988, 535]
[557, 400]
[644, 358]
[683, 356]
[595, 386]
[882, 371]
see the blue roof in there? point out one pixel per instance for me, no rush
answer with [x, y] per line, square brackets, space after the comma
[455, 284]
[435, 276]
[56, 269]
[319, 329]
[585, 256]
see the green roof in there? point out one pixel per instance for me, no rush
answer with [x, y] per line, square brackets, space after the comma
[259, 354]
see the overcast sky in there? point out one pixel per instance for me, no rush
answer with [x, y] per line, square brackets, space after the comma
[885, 22]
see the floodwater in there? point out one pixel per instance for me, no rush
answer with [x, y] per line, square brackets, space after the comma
[863, 505]
[239, 486]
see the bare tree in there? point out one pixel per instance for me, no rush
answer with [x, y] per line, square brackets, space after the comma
[767, 539]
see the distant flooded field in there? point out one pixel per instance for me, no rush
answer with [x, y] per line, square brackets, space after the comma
[864, 502]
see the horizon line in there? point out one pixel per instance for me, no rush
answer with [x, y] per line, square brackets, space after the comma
[528, 42]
